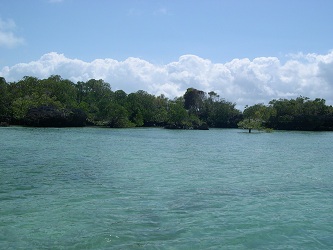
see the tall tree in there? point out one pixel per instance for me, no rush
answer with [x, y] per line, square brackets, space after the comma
[5, 104]
[94, 96]
[194, 100]
[60, 89]
[177, 115]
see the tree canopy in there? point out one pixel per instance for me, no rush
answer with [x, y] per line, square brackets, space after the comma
[55, 101]
[294, 114]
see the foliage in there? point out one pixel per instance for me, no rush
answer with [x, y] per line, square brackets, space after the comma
[118, 117]
[194, 100]
[4, 100]
[255, 117]
[177, 114]
[30, 99]
[221, 114]
[300, 114]
[294, 114]
[250, 124]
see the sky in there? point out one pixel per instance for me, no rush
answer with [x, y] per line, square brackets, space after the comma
[247, 51]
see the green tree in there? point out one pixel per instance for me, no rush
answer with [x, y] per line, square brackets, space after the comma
[21, 105]
[120, 97]
[94, 96]
[30, 92]
[177, 114]
[143, 108]
[255, 117]
[60, 89]
[222, 114]
[194, 100]
[161, 113]
[118, 117]
[5, 111]
[25, 87]
[300, 114]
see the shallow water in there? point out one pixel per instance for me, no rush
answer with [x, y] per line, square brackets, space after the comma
[94, 188]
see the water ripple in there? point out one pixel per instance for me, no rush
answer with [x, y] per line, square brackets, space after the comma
[91, 188]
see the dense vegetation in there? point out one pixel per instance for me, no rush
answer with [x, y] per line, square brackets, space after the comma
[295, 114]
[59, 102]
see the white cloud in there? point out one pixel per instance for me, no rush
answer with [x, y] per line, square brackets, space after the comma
[7, 37]
[243, 81]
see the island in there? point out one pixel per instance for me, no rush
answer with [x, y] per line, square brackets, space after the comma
[58, 102]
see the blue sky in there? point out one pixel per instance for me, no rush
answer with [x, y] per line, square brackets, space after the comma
[248, 51]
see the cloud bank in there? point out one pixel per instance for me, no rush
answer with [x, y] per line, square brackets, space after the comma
[243, 81]
[7, 37]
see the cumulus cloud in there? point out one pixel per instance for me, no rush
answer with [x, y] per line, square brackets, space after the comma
[242, 81]
[7, 36]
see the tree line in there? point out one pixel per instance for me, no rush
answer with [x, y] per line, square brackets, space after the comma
[294, 114]
[59, 102]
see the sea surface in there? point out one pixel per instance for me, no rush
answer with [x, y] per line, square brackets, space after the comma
[151, 188]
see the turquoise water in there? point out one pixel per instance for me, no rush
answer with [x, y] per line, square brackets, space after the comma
[94, 188]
